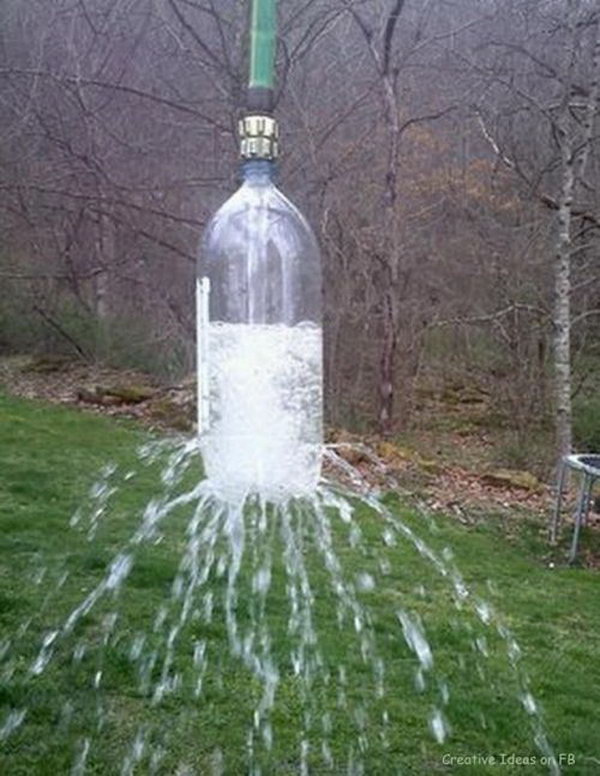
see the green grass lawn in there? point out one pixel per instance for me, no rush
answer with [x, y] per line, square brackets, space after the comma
[94, 696]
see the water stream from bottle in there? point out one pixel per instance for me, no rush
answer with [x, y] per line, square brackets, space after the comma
[246, 566]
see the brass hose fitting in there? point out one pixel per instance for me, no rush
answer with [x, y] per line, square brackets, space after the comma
[259, 135]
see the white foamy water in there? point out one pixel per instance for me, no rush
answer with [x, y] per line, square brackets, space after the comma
[264, 410]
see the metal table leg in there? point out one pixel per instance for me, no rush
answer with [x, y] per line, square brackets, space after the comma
[555, 524]
[583, 507]
[586, 514]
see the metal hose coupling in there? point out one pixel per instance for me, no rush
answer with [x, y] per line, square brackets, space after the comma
[259, 135]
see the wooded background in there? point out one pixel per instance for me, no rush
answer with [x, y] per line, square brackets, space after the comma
[446, 154]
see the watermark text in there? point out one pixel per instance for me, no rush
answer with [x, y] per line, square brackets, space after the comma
[563, 759]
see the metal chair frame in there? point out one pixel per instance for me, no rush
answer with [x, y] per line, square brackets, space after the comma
[588, 466]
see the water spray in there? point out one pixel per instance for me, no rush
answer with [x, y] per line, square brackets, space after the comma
[259, 316]
[290, 581]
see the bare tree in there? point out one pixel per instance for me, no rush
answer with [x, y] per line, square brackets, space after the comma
[446, 154]
[550, 172]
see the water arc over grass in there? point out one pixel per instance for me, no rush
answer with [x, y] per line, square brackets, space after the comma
[312, 631]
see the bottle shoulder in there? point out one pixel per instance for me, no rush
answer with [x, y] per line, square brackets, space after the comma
[258, 208]
[249, 199]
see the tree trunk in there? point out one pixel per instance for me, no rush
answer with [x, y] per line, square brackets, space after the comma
[562, 308]
[105, 254]
[574, 161]
[386, 367]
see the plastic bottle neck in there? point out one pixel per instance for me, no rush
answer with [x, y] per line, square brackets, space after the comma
[257, 171]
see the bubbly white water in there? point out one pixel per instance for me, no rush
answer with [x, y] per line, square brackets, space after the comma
[264, 430]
